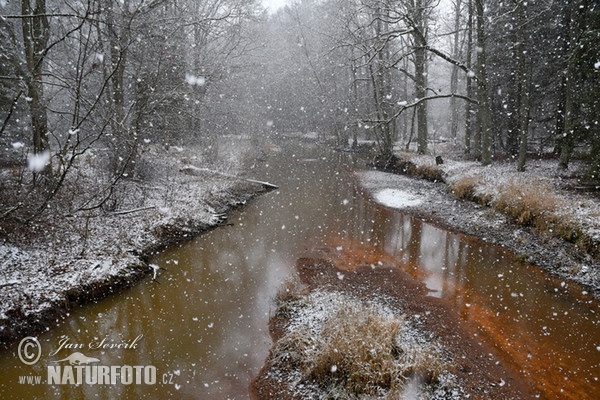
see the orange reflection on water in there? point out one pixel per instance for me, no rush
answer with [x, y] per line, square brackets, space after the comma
[540, 326]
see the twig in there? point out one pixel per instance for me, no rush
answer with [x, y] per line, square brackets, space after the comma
[133, 210]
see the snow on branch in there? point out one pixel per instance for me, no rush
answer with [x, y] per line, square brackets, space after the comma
[450, 59]
[436, 96]
[419, 101]
[133, 210]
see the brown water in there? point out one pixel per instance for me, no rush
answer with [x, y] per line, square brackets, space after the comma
[204, 325]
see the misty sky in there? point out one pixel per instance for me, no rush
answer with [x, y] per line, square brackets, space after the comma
[274, 5]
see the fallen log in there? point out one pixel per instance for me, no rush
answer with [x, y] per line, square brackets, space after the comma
[195, 171]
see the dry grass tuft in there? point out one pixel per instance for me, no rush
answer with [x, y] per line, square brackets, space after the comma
[430, 172]
[465, 188]
[358, 352]
[291, 350]
[530, 203]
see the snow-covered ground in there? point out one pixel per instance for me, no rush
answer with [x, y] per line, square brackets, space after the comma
[583, 209]
[88, 256]
[435, 201]
[396, 198]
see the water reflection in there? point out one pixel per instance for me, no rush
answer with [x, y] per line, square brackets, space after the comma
[545, 328]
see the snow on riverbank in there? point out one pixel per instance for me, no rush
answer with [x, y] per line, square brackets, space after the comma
[396, 198]
[387, 189]
[582, 208]
[439, 205]
[85, 257]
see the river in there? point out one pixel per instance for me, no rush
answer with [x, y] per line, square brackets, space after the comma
[201, 331]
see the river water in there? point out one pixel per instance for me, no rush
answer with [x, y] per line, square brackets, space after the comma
[203, 327]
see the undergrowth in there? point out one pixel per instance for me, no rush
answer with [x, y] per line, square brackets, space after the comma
[465, 188]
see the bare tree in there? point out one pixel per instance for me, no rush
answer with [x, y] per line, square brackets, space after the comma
[36, 32]
[524, 82]
[484, 122]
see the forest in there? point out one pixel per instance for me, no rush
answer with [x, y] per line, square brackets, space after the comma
[494, 80]
[130, 130]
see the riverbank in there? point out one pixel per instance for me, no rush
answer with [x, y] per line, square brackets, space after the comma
[88, 256]
[537, 214]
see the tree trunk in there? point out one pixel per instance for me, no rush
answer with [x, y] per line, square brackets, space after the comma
[380, 81]
[421, 78]
[524, 121]
[455, 69]
[420, 92]
[354, 103]
[118, 49]
[36, 32]
[469, 83]
[484, 114]
[523, 92]
[568, 139]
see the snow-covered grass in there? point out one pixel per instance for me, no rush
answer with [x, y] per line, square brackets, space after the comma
[339, 346]
[87, 255]
[541, 196]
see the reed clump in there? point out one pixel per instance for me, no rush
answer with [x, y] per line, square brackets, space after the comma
[360, 352]
[466, 188]
[531, 203]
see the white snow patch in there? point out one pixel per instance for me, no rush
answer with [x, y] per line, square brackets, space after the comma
[37, 162]
[396, 198]
[194, 80]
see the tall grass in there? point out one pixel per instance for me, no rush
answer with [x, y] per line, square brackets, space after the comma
[530, 203]
[465, 188]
